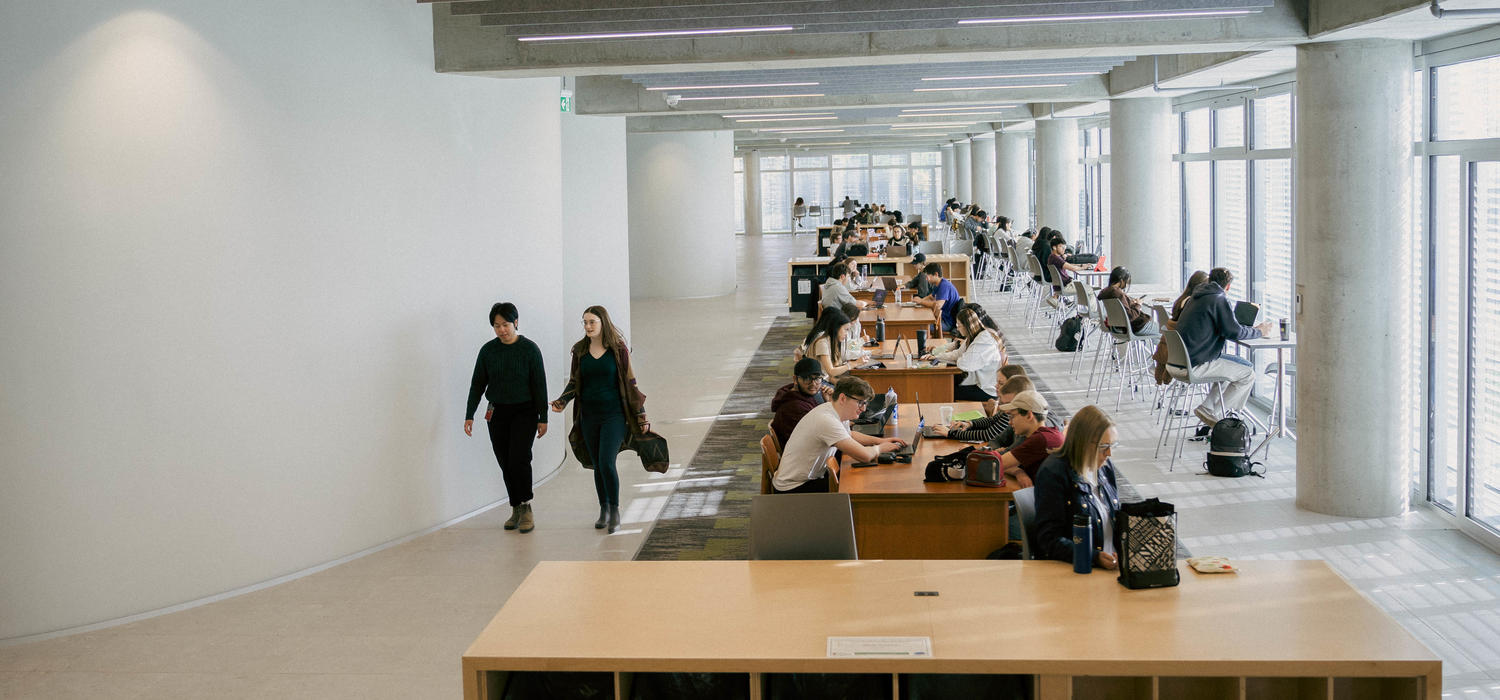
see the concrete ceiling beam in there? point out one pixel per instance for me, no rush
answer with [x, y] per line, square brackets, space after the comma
[1328, 16]
[1140, 75]
[462, 45]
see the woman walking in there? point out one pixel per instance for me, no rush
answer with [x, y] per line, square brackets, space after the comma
[509, 373]
[609, 405]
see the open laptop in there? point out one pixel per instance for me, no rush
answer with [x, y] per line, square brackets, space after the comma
[895, 348]
[923, 429]
[879, 301]
[897, 251]
[1246, 312]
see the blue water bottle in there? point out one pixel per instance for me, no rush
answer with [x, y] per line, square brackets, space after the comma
[1083, 544]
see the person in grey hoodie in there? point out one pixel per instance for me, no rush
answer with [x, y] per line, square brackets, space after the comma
[1206, 323]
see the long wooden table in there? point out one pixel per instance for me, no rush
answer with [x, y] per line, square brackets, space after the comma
[918, 379]
[897, 515]
[955, 268]
[903, 320]
[1276, 630]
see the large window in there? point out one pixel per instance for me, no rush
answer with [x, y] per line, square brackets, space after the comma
[1093, 191]
[908, 181]
[739, 194]
[1235, 179]
[1456, 198]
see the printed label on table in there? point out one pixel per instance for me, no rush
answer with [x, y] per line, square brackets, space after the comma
[880, 646]
[804, 286]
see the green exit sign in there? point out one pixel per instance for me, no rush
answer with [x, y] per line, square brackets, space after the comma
[567, 101]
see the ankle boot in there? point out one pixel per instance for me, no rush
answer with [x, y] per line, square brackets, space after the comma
[614, 518]
[527, 523]
[603, 517]
[515, 516]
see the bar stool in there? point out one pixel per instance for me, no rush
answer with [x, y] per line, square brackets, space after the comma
[1185, 384]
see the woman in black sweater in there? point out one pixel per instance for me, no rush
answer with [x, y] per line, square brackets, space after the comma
[509, 373]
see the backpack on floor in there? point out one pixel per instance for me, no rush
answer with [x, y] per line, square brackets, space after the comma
[1069, 332]
[1229, 449]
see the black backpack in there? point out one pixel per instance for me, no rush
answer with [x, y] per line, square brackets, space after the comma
[1229, 449]
[1067, 339]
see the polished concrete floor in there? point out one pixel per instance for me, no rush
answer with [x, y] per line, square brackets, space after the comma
[394, 624]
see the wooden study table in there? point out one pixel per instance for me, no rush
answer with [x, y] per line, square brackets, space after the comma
[897, 515]
[1277, 630]
[905, 320]
[932, 383]
[955, 268]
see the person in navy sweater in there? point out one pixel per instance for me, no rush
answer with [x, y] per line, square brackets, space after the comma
[1207, 322]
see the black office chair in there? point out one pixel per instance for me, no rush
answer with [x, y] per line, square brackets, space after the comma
[802, 526]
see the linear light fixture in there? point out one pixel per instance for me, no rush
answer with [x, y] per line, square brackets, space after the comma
[981, 87]
[727, 87]
[664, 32]
[747, 97]
[830, 143]
[801, 131]
[1015, 75]
[779, 114]
[786, 119]
[930, 124]
[950, 114]
[1120, 15]
[944, 109]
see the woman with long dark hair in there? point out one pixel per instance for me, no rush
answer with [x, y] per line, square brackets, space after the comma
[609, 407]
[509, 373]
[828, 342]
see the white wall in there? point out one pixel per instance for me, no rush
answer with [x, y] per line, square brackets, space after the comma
[595, 218]
[681, 214]
[246, 254]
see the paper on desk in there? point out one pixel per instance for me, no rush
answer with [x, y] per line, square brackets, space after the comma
[969, 415]
[880, 646]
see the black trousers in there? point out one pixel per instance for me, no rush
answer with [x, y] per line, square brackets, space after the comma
[968, 392]
[512, 430]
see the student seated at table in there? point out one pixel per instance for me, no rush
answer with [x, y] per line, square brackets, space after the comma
[918, 282]
[857, 282]
[835, 292]
[823, 431]
[944, 299]
[977, 351]
[901, 236]
[792, 401]
[1078, 479]
[827, 342]
[1058, 261]
[1207, 322]
[1198, 277]
[1141, 323]
[845, 239]
[1041, 249]
[992, 428]
[856, 337]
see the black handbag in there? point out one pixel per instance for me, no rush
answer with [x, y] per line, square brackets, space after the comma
[1146, 540]
[652, 449]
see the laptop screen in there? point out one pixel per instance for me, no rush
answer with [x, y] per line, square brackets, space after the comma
[880, 297]
[1246, 312]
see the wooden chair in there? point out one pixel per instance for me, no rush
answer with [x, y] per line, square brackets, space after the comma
[770, 459]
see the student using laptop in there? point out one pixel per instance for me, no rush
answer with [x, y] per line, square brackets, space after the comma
[826, 342]
[1207, 322]
[823, 431]
[836, 289]
[992, 428]
[977, 351]
[944, 299]
[1141, 323]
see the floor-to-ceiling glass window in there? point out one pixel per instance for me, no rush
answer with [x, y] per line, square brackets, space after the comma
[811, 182]
[908, 181]
[1093, 203]
[775, 193]
[1457, 177]
[739, 194]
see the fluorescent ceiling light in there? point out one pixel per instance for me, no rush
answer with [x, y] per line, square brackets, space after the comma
[830, 143]
[929, 125]
[944, 109]
[666, 32]
[1014, 75]
[747, 97]
[779, 114]
[1122, 15]
[949, 114]
[801, 131]
[981, 87]
[727, 87]
[786, 119]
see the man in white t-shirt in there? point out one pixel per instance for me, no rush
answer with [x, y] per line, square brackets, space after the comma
[824, 431]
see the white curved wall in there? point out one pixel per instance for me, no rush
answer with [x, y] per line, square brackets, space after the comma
[681, 214]
[246, 252]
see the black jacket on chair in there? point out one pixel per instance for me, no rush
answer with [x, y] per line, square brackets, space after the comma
[1059, 496]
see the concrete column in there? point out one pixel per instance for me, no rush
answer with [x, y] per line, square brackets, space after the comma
[950, 172]
[681, 195]
[1013, 178]
[752, 194]
[1353, 178]
[982, 163]
[964, 185]
[1057, 175]
[1141, 206]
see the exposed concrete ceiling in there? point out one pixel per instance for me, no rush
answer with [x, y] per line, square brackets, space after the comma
[868, 58]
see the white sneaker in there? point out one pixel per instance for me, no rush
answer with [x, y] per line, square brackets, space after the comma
[1207, 418]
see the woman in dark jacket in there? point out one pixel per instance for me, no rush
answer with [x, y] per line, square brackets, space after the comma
[609, 407]
[1079, 479]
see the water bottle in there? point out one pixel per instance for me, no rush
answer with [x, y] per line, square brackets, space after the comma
[895, 413]
[1083, 544]
[879, 330]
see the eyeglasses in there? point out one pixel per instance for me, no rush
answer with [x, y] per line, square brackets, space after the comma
[861, 402]
[1108, 446]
